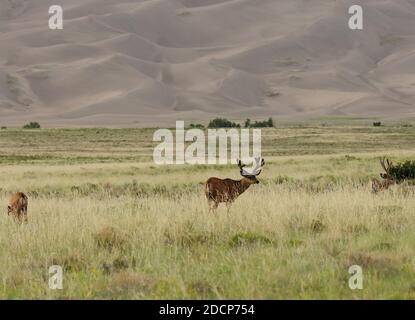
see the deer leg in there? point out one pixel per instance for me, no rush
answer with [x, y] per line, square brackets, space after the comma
[25, 216]
[213, 205]
[18, 217]
[210, 203]
[375, 186]
[15, 216]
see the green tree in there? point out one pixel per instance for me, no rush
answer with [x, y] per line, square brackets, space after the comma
[32, 125]
[247, 123]
[222, 123]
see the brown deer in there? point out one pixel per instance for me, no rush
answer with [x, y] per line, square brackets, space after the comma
[227, 190]
[387, 181]
[18, 207]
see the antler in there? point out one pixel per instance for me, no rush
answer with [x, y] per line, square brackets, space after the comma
[259, 163]
[258, 167]
[242, 170]
[386, 168]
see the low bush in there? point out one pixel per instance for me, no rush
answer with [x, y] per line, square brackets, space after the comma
[223, 123]
[403, 171]
[260, 124]
[32, 125]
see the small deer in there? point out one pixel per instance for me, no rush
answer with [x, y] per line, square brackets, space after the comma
[387, 181]
[227, 190]
[18, 207]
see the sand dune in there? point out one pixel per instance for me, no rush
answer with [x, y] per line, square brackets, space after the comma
[150, 62]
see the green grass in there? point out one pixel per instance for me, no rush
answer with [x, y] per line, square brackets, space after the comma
[122, 227]
[76, 146]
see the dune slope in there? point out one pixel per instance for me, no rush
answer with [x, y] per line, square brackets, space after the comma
[150, 62]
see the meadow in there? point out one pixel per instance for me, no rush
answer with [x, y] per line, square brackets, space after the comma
[124, 228]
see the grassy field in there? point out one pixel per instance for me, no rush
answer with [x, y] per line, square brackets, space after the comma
[122, 227]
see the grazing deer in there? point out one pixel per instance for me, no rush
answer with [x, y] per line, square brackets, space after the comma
[18, 207]
[227, 190]
[387, 181]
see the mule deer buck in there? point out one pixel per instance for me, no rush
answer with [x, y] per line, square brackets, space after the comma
[387, 181]
[227, 190]
[18, 207]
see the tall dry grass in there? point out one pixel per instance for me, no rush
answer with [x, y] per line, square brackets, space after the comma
[282, 239]
[133, 230]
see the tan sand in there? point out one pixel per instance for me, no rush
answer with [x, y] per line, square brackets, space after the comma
[144, 63]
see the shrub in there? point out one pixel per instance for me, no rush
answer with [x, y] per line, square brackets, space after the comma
[32, 125]
[248, 238]
[70, 262]
[403, 171]
[378, 262]
[222, 123]
[117, 265]
[128, 281]
[260, 124]
[377, 124]
[3, 128]
[197, 126]
[109, 238]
